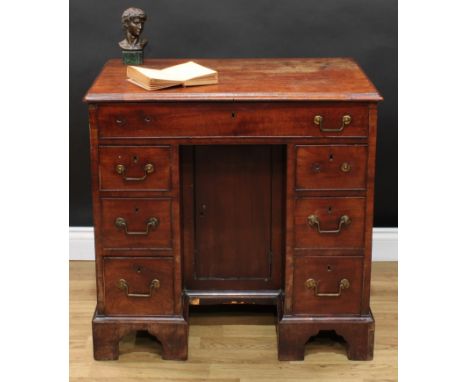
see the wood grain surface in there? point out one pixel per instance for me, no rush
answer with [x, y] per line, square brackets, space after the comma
[235, 344]
[138, 272]
[237, 239]
[137, 212]
[135, 176]
[282, 79]
[334, 167]
[329, 212]
[327, 271]
[138, 120]
[256, 98]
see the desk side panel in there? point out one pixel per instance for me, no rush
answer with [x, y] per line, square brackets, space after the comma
[366, 280]
[94, 152]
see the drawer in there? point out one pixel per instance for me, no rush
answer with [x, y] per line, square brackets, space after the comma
[329, 222]
[134, 168]
[124, 252]
[327, 285]
[138, 286]
[240, 119]
[331, 167]
[136, 223]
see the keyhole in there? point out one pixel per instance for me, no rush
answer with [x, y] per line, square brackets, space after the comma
[203, 209]
[136, 209]
[329, 210]
[330, 157]
[233, 115]
[329, 268]
[135, 159]
[138, 269]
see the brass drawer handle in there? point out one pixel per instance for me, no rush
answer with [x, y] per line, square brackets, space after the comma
[345, 121]
[345, 167]
[152, 223]
[314, 220]
[312, 284]
[148, 169]
[122, 284]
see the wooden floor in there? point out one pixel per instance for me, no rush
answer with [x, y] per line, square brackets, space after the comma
[232, 346]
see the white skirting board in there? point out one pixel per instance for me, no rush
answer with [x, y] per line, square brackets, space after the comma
[385, 244]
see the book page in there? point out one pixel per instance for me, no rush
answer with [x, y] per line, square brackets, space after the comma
[186, 71]
[150, 73]
[179, 73]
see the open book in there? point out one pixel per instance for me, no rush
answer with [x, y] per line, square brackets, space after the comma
[187, 74]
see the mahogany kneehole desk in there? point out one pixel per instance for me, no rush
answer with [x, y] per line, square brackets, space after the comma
[255, 190]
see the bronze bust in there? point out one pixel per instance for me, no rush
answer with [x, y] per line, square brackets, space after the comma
[133, 20]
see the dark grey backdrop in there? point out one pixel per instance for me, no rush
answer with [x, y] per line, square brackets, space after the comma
[363, 29]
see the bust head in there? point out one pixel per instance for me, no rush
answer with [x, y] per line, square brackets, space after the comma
[133, 20]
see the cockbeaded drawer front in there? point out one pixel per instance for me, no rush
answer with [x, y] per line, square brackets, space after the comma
[136, 223]
[329, 222]
[331, 167]
[138, 286]
[228, 119]
[129, 168]
[327, 285]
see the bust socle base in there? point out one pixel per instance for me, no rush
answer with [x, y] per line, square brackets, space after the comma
[132, 57]
[259, 189]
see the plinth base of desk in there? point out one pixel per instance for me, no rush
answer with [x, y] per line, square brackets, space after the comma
[357, 331]
[171, 332]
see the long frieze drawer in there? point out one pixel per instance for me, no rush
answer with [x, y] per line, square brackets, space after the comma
[136, 223]
[327, 285]
[329, 222]
[138, 286]
[249, 119]
[141, 252]
[134, 168]
[331, 167]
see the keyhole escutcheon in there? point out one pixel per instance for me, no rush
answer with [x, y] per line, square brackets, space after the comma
[203, 210]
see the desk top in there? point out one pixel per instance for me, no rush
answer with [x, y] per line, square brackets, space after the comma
[291, 79]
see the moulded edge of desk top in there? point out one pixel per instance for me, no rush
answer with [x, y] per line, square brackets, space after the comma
[292, 79]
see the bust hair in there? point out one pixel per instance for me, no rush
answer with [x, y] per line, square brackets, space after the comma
[130, 13]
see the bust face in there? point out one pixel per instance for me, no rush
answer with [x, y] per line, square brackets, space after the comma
[135, 26]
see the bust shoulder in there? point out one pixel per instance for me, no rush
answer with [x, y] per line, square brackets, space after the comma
[137, 45]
